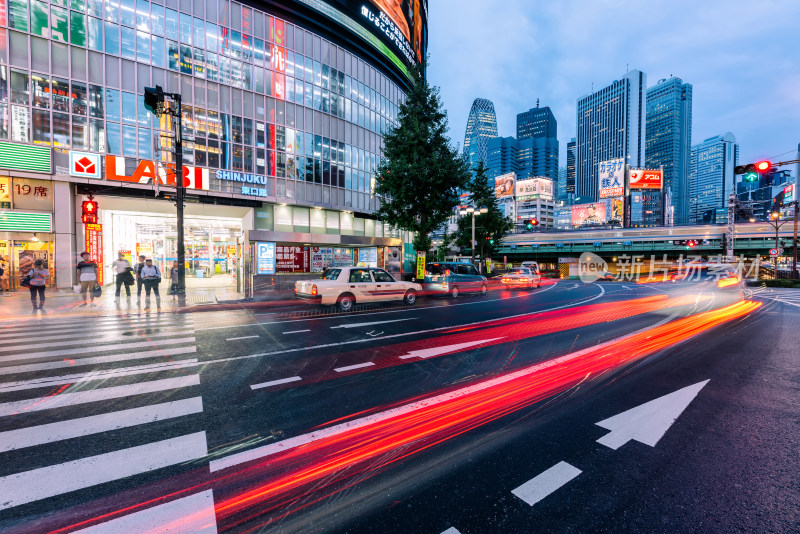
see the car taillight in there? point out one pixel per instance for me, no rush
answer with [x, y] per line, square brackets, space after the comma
[505, 280]
[314, 290]
[295, 287]
[524, 280]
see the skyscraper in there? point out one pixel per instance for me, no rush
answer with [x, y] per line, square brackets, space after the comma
[536, 122]
[711, 178]
[669, 139]
[501, 156]
[610, 124]
[481, 126]
[569, 186]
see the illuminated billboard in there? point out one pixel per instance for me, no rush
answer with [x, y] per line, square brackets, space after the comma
[611, 177]
[504, 185]
[534, 188]
[594, 213]
[646, 179]
[398, 29]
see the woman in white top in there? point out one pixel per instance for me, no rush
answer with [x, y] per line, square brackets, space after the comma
[121, 266]
[39, 276]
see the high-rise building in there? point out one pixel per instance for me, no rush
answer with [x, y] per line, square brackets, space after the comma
[561, 185]
[569, 186]
[286, 105]
[610, 124]
[481, 126]
[538, 156]
[536, 122]
[529, 157]
[501, 156]
[711, 178]
[668, 140]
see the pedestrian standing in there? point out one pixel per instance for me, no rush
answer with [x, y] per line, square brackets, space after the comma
[87, 276]
[152, 277]
[121, 266]
[173, 275]
[139, 280]
[38, 281]
[4, 276]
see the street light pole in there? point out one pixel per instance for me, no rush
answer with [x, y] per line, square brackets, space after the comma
[181, 193]
[472, 246]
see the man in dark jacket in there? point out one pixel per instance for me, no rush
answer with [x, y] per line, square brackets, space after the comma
[137, 270]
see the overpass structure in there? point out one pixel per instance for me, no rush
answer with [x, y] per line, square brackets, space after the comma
[751, 239]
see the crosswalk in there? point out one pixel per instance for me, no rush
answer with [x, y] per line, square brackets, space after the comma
[89, 401]
[789, 296]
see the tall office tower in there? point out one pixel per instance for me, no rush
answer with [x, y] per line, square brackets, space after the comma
[481, 126]
[538, 156]
[610, 125]
[711, 178]
[569, 186]
[668, 139]
[501, 156]
[561, 186]
[536, 122]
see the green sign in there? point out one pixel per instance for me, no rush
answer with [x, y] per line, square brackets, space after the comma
[751, 177]
[18, 221]
[420, 264]
[25, 157]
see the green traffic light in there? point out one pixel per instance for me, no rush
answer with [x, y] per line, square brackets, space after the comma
[751, 177]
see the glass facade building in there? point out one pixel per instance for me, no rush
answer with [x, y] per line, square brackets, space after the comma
[669, 139]
[536, 122]
[481, 126]
[610, 124]
[284, 104]
[711, 179]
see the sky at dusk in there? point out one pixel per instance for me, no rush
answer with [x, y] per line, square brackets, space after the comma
[741, 57]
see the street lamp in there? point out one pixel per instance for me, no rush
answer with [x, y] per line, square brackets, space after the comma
[472, 211]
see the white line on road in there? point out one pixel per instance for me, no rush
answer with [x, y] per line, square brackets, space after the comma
[30, 486]
[52, 432]
[99, 348]
[24, 331]
[87, 342]
[546, 483]
[359, 325]
[297, 331]
[276, 382]
[100, 374]
[351, 367]
[79, 362]
[385, 312]
[402, 334]
[437, 351]
[238, 338]
[96, 395]
[193, 514]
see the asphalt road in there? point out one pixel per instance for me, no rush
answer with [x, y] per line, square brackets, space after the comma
[475, 415]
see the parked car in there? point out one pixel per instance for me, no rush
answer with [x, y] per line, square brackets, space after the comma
[452, 278]
[347, 286]
[521, 278]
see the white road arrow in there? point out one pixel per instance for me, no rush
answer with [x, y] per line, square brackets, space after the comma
[648, 422]
[437, 351]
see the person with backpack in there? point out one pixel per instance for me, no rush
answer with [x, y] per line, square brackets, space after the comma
[37, 282]
[87, 276]
[152, 277]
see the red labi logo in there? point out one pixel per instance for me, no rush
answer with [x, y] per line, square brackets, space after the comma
[85, 165]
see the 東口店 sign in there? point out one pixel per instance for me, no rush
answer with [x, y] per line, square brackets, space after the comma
[25, 157]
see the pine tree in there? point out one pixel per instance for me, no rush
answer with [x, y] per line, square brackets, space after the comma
[421, 173]
[490, 227]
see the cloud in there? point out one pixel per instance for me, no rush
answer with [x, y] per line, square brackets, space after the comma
[741, 58]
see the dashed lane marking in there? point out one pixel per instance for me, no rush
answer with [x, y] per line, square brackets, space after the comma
[546, 483]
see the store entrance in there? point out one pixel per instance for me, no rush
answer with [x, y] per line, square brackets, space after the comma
[212, 252]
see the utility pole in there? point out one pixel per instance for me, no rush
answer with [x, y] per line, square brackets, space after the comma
[795, 204]
[154, 102]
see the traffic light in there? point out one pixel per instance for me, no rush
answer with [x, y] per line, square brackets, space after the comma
[531, 223]
[89, 209]
[751, 171]
[154, 100]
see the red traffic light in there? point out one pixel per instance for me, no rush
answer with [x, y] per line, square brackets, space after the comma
[89, 208]
[534, 221]
[763, 166]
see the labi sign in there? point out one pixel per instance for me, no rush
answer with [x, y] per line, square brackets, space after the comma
[149, 171]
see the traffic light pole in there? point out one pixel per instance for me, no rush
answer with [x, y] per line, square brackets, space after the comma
[794, 243]
[180, 193]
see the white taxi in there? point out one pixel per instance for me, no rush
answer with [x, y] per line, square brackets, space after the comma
[346, 286]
